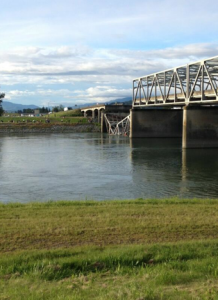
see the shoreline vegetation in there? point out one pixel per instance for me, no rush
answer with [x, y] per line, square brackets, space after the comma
[49, 128]
[70, 121]
[120, 249]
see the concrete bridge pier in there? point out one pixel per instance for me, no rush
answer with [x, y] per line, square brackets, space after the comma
[156, 123]
[93, 114]
[200, 127]
[103, 125]
[100, 115]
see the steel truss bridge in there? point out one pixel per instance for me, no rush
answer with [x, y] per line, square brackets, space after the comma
[195, 83]
[117, 125]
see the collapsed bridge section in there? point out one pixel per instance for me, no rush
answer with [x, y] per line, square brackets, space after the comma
[114, 118]
[117, 125]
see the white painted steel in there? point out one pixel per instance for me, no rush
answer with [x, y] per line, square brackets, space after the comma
[195, 83]
[116, 126]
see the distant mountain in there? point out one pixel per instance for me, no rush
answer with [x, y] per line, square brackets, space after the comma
[12, 107]
[125, 101]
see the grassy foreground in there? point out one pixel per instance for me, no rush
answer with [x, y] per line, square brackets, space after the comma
[141, 249]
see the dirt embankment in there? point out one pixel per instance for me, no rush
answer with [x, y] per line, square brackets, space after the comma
[47, 128]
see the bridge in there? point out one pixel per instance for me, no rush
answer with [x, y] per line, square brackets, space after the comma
[95, 111]
[194, 83]
[114, 118]
[179, 102]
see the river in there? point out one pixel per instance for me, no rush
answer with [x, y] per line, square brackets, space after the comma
[78, 166]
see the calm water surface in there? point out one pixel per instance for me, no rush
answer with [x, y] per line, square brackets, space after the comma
[91, 166]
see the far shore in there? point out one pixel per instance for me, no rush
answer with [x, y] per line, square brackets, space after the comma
[6, 128]
[70, 121]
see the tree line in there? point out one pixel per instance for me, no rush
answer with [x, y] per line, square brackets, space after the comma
[2, 95]
[42, 110]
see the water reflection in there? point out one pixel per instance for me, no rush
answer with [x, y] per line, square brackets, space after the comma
[156, 166]
[94, 166]
[161, 169]
[64, 166]
[199, 172]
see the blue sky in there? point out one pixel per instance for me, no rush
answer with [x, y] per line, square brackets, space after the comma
[72, 52]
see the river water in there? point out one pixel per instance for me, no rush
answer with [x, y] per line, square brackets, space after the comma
[94, 166]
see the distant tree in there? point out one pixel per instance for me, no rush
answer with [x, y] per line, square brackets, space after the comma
[61, 108]
[55, 109]
[28, 111]
[2, 95]
[58, 108]
[44, 110]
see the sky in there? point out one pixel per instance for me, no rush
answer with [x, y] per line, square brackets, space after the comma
[72, 52]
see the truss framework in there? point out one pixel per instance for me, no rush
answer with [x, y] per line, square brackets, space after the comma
[193, 83]
[117, 126]
[123, 127]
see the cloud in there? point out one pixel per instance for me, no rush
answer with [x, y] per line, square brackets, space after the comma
[101, 94]
[93, 94]
[82, 45]
[99, 24]
[100, 74]
[84, 61]
[187, 52]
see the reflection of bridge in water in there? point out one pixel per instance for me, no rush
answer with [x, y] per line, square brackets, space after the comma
[192, 89]
[160, 168]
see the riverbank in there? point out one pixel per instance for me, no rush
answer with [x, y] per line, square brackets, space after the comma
[140, 249]
[7, 128]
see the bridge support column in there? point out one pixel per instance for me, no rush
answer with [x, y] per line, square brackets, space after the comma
[103, 125]
[200, 127]
[156, 123]
[93, 114]
[99, 116]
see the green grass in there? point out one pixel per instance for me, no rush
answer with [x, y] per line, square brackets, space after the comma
[70, 113]
[66, 224]
[37, 121]
[68, 118]
[139, 249]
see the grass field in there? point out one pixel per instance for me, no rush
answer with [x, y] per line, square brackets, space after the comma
[28, 121]
[69, 113]
[69, 117]
[139, 249]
